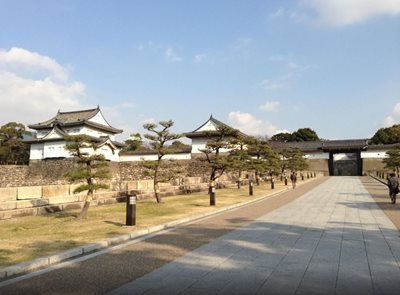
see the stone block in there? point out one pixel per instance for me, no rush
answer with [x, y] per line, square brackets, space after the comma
[8, 194]
[144, 184]
[95, 246]
[5, 215]
[65, 199]
[157, 228]
[105, 195]
[72, 206]
[8, 205]
[31, 203]
[106, 201]
[145, 196]
[119, 239]
[3, 274]
[65, 255]
[132, 185]
[192, 180]
[55, 190]
[23, 212]
[139, 233]
[26, 266]
[74, 186]
[29, 192]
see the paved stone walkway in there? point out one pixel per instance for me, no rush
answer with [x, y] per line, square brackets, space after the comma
[332, 240]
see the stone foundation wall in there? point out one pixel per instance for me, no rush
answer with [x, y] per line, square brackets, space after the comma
[189, 168]
[41, 186]
[51, 172]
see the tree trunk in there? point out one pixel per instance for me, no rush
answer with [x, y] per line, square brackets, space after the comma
[239, 177]
[211, 188]
[155, 186]
[85, 209]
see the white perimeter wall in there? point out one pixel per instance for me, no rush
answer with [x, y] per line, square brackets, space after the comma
[200, 144]
[136, 158]
[57, 149]
[319, 156]
[373, 154]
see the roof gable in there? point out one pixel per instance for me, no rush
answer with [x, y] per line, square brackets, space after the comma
[107, 141]
[54, 133]
[211, 124]
[99, 119]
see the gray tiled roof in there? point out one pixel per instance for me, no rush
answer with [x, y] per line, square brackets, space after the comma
[345, 144]
[196, 133]
[309, 146]
[305, 146]
[74, 118]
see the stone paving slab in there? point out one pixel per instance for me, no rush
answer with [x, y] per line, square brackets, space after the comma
[332, 240]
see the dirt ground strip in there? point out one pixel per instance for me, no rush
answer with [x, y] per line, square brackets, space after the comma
[380, 193]
[108, 271]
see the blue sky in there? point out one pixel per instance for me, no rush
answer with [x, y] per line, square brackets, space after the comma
[261, 66]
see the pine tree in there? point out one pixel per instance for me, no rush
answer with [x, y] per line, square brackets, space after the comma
[295, 160]
[12, 148]
[158, 140]
[218, 142]
[239, 157]
[91, 168]
[393, 160]
[264, 159]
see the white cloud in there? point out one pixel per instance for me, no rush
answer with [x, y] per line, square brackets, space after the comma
[278, 13]
[389, 121]
[396, 109]
[272, 84]
[249, 124]
[270, 106]
[34, 86]
[198, 58]
[171, 56]
[394, 117]
[17, 59]
[348, 12]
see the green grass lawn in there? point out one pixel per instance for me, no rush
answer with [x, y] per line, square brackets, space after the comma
[31, 237]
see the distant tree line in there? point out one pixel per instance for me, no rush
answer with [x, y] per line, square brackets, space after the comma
[389, 135]
[12, 148]
[302, 134]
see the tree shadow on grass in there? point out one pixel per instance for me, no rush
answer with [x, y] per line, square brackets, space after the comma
[119, 224]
